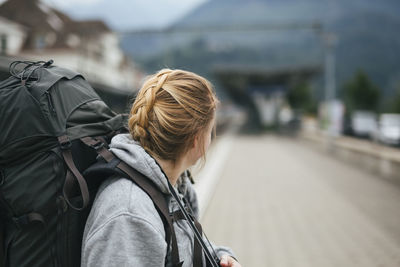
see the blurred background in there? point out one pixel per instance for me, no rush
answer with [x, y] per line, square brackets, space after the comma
[305, 168]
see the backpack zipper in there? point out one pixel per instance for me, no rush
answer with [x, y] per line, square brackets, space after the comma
[50, 101]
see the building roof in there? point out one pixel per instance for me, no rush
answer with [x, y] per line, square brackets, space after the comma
[41, 19]
[90, 27]
[8, 22]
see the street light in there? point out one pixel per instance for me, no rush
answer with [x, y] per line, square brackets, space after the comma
[329, 40]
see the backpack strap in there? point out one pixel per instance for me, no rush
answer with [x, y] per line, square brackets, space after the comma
[157, 197]
[145, 184]
[98, 144]
[72, 174]
[197, 250]
[114, 165]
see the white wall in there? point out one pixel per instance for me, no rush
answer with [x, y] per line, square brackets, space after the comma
[15, 36]
[268, 107]
[93, 69]
[99, 59]
[113, 54]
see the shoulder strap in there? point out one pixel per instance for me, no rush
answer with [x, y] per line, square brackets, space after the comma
[197, 249]
[116, 166]
[157, 197]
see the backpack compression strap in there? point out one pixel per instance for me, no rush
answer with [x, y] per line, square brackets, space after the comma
[72, 173]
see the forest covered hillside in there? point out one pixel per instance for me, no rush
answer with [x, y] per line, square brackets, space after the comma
[276, 33]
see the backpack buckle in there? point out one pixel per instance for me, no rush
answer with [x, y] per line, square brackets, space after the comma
[98, 145]
[66, 145]
[64, 142]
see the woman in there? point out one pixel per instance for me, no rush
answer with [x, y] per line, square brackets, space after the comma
[170, 124]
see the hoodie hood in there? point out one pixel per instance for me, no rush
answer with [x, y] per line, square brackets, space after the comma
[130, 151]
[126, 217]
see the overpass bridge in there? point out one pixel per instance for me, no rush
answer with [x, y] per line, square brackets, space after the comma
[261, 91]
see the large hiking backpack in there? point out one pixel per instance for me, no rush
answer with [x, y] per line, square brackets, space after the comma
[53, 125]
[53, 128]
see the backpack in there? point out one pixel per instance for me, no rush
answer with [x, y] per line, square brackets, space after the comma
[53, 125]
[53, 157]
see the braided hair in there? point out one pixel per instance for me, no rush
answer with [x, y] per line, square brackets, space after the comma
[170, 110]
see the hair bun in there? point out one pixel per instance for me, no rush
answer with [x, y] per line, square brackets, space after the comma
[170, 110]
[139, 132]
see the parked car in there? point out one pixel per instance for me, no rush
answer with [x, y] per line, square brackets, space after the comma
[363, 124]
[389, 129]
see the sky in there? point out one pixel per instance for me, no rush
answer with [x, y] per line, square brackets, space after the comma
[125, 15]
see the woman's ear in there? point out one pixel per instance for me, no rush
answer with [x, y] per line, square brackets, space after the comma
[192, 154]
[196, 146]
[195, 141]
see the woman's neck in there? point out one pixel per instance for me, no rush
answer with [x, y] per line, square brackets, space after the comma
[171, 169]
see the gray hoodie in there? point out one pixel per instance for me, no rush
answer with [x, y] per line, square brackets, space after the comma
[124, 227]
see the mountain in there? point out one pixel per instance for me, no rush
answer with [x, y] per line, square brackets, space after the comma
[276, 33]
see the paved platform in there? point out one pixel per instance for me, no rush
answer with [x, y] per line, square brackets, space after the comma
[282, 203]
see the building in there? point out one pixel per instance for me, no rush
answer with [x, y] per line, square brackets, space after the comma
[33, 30]
[12, 37]
[261, 91]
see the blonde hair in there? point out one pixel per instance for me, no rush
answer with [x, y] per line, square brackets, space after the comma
[170, 110]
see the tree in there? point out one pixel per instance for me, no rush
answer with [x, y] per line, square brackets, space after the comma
[360, 93]
[300, 97]
[394, 102]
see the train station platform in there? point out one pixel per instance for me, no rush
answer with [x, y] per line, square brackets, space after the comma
[281, 202]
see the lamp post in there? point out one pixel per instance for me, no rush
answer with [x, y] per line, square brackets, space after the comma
[333, 108]
[329, 41]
